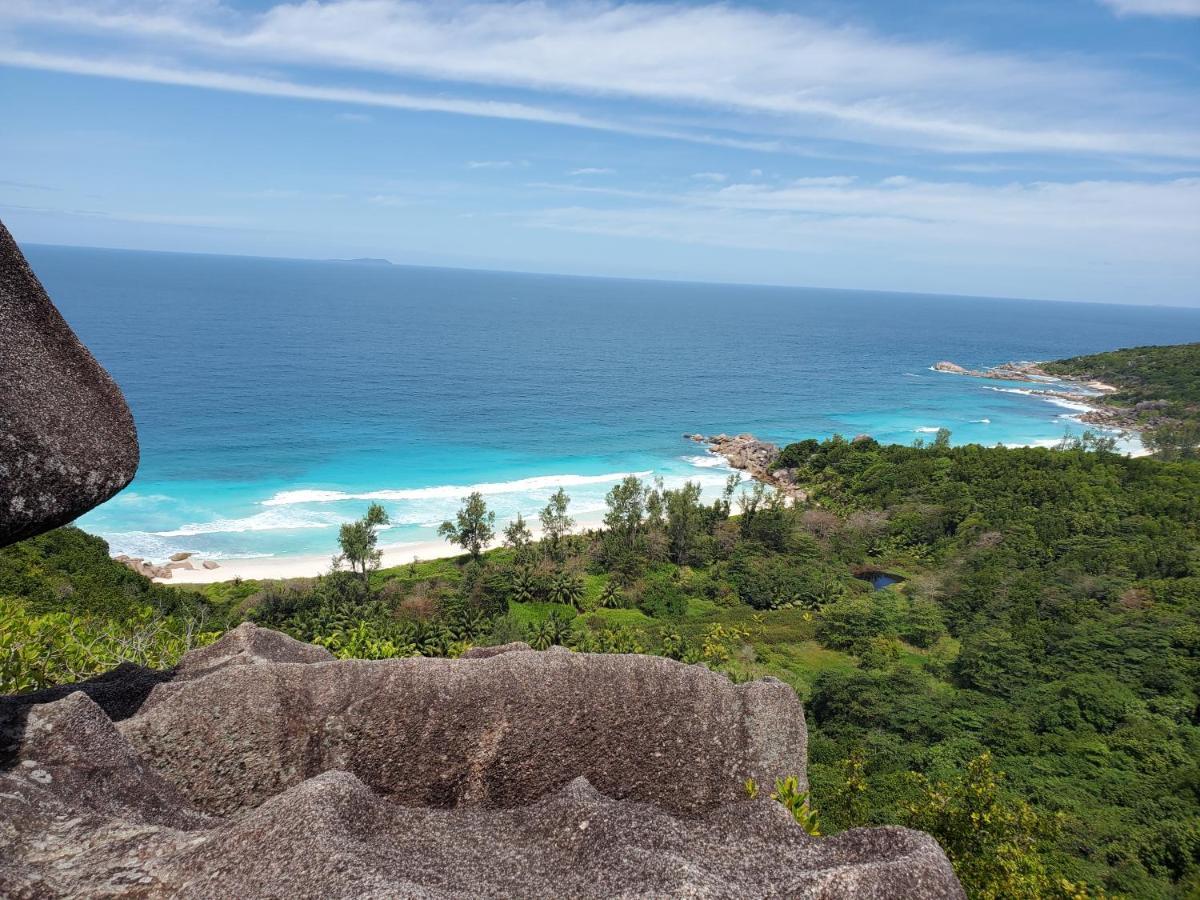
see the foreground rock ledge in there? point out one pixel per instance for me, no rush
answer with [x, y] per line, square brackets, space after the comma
[262, 767]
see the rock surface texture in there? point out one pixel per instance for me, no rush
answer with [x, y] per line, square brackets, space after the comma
[261, 767]
[67, 439]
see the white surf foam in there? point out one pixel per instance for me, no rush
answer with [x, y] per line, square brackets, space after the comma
[268, 520]
[711, 461]
[981, 421]
[928, 429]
[449, 491]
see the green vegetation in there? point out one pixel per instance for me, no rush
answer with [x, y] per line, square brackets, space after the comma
[358, 540]
[1158, 386]
[68, 612]
[1029, 692]
[1047, 627]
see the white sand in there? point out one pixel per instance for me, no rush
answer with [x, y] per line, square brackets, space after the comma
[310, 566]
[302, 566]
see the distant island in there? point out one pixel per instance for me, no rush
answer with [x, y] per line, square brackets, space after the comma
[365, 261]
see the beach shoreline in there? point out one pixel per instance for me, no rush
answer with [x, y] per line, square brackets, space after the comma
[274, 568]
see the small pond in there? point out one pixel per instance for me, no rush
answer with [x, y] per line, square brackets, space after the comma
[879, 580]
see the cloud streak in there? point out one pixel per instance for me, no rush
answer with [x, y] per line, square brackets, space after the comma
[768, 73]
[1089, 228]
[1160, 8]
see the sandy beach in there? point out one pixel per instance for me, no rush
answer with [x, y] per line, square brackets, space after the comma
[309, 566]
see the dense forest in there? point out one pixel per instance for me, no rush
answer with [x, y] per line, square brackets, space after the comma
[1025, 684]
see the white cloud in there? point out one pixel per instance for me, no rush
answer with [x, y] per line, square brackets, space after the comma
[716, 177]
[272, 87]
[1163, 8]
[493, 164]
[388, 200]
[824, 181]
[592, 170]
[1080, 232]
[779, 73]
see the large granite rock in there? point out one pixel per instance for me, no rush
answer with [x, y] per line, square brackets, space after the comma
[263, 768]
[67, 439]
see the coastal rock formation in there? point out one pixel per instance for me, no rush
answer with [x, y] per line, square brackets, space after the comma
[67, 438]
[1010, 371]
[749, 454]
[152, 570]
[263, 767]
[1097, 412]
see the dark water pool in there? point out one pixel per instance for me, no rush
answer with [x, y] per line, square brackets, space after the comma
[880, 580]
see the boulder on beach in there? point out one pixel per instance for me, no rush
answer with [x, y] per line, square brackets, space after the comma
[180, 556]
[210, 564]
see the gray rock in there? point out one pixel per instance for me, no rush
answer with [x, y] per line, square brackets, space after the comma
[67, 438]
[501, 730]
[516, 774]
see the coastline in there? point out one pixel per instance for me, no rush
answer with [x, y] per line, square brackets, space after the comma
[1091, 410]
[266, 568]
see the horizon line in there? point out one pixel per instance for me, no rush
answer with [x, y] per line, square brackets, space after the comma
[592, 276]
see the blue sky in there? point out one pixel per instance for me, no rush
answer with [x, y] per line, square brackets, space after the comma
[1009, 147]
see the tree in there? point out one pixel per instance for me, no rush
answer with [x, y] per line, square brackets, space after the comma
[567, 588]
[555, 522]
[685, 520]
[358, 540]
[518, 537]
[626, 509]
[473, 526]
[993, 840]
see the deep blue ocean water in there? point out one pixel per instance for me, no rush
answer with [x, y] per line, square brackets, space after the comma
[274, 398]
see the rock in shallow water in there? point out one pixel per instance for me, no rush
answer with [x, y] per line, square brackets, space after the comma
[67, 438]
[264, 768]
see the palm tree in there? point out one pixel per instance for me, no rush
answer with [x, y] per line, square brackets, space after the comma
[611, 596]
[567, 588]
[524, 585]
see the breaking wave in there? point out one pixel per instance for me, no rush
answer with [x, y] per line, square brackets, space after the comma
[449, 491]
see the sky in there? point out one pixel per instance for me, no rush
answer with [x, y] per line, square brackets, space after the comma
[1018, 148]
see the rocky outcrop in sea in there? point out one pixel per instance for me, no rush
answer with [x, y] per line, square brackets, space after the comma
[748, 454]
[263, 767]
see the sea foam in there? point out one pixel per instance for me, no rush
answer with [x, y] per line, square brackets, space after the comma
[449, 491]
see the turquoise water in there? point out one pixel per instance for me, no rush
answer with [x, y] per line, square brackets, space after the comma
[275, 399]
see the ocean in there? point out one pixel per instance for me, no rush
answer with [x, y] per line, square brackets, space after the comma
[276, 398]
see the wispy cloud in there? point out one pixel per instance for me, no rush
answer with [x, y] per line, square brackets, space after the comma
[847, 83]
[1085, 225]
[495, 163]
[1161, 8]
[185, 220]
[592, 170]
[388, 200]
[274, 87]
[354, 117]
[716, 177]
